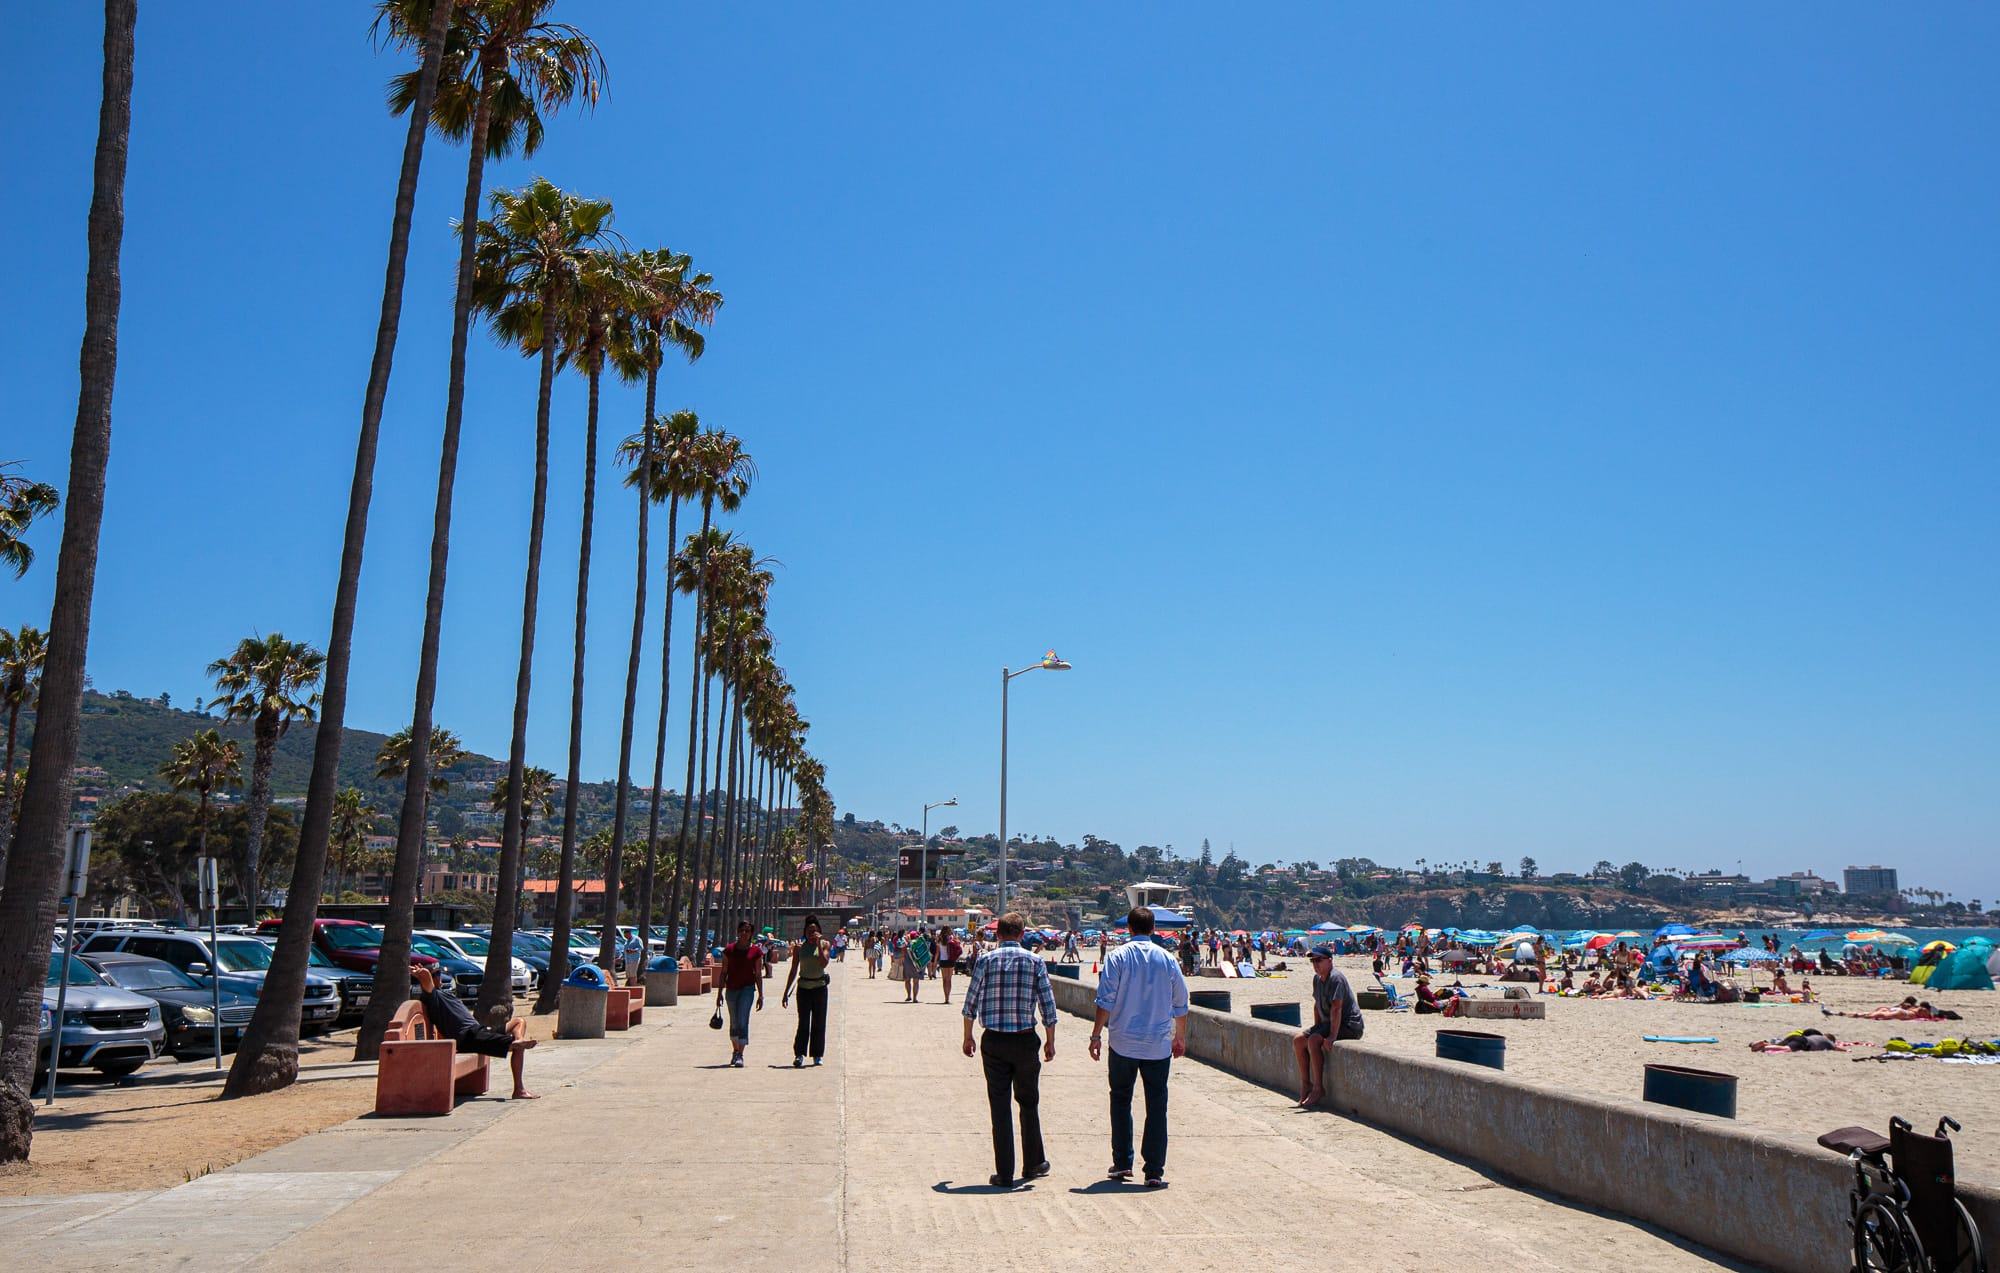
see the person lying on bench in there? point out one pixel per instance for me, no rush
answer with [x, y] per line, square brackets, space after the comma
[453, 1020]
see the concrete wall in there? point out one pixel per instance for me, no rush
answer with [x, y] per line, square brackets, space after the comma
[1776, 1200]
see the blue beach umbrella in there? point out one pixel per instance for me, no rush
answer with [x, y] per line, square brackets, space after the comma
[1749, 955]
[1672, 930]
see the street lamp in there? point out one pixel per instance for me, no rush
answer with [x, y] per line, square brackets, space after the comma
[1049, 662]
[924, 862]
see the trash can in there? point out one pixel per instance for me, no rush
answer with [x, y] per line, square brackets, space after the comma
[1281, 1013]
[580, 1004]
[1216, 1000]
[1474, 1047]
[1703, 1091]
[663, 982]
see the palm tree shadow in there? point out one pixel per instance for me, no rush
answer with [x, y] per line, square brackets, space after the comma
[945, 1186]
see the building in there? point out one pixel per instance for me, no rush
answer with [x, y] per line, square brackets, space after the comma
[1870, 881]
[1801, 884]
[586, 902]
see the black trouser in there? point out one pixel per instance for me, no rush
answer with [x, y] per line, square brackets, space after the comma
[1125, 1073]
[812, 1022]
[1013, 1065]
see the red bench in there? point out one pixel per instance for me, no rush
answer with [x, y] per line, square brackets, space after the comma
[419, 1073]
[624, 1007]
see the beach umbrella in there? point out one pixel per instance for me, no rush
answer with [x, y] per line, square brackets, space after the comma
[1672, 930]
[1627, 935]
[1455, 957]
[1750, 955]
[1879, 937]
[1599, 942]
[1329, 927]
[1819, 934]
[1352, 928]
[1942, 947]
[1708, 941]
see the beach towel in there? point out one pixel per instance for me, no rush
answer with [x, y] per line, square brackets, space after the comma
[1246, 969]
[1680, 1038]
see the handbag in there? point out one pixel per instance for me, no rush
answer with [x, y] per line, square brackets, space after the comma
[715, 1021]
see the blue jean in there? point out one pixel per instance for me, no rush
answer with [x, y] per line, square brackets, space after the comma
[1126, 1073]
[739, 1002]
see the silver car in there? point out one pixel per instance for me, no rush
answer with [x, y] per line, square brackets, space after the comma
[104, 1028]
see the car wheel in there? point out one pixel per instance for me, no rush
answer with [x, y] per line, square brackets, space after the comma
[119, 1069]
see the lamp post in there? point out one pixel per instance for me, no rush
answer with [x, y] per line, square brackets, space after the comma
[1050, 663]
[924, 861]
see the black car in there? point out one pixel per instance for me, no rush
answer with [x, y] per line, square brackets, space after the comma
[355, 986]
[187, 1007]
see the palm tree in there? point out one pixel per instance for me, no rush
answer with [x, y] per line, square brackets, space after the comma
[720, 472]
[392, 763]
[348, 837]
[505, 64]
[597, 311]
[269, 682]
[268, 1055]
[28, 902]
[533, 252]
[670, 305]
[203, 764]
[21, 503]
[21, 655]
[538, 801]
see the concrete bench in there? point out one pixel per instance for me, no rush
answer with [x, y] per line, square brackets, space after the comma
[624, 1007]
[417, 1072]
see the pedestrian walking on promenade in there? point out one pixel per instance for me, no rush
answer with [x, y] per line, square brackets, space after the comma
[950, 960]
[742, 981]
[916, 958]
[1069, 954]
[1336, 1015]
[809, 958]
[871, 953]
[1142, 999]
[1009, 990]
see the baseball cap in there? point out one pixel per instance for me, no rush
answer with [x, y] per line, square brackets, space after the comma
[1322, 952]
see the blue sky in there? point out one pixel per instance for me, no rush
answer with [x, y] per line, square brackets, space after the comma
[1459, 434]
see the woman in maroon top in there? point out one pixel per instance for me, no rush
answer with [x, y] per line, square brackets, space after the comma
[742, 979]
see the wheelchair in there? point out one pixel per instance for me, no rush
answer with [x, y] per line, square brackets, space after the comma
[1905, 1209]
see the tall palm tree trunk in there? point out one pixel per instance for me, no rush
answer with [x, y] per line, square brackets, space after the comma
[392, 969]
[257, 811]
[694, 686]
[660, 745]
[712, 805]
[727, 893]
[692, 852]
[574, 783]
[622, 802]
[7, 785]
[497, 992]
[34, 870]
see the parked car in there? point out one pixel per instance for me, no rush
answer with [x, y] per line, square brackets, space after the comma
[104, 1028]
[353, 944]
[474, 948]
[460, 976]
[241, 962]
[187, 1007]
[356, 987]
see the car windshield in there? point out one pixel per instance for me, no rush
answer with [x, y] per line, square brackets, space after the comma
[315, 957]
[533, 941]
[425, 946]
[474, 947]
[151, 975]
[352, 936]
[79, 972]
[242, 954]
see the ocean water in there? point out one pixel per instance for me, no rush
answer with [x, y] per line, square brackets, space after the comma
[1922, 936]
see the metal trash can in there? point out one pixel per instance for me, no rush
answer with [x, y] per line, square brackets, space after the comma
[1703, 1091]
[1281, 1013]
[1475, 1047]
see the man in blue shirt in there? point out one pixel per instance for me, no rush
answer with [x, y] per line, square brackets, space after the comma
[1010, 989]
[1143, 999]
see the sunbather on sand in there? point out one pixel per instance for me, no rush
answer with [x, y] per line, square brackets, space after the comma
[1908, 1010]
[1798, 1041]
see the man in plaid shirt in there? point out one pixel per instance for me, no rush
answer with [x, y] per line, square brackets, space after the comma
[1010, 988]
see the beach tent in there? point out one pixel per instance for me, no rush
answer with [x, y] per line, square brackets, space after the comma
[1164, 918]
[1965, 968]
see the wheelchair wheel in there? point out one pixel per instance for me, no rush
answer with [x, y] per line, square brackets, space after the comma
[1884, 1242]
[1970, 1252]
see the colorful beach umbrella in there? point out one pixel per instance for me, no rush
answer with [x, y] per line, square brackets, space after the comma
[1599, 942]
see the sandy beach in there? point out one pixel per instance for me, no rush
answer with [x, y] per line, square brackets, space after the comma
[1597, 1046]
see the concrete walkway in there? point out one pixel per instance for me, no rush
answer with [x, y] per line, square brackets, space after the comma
[647, 1147]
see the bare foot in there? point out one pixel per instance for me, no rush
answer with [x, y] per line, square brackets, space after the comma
[530, 1043]
[1314, 1097]
[523, 1094]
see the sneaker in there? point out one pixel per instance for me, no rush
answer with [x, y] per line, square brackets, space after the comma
[736, 1062]
[797, 1061]
[1156, 1182]
[1122, 1174]
[817, 1061]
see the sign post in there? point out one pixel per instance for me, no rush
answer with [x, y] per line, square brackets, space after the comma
[76, 878]
[211, 896]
